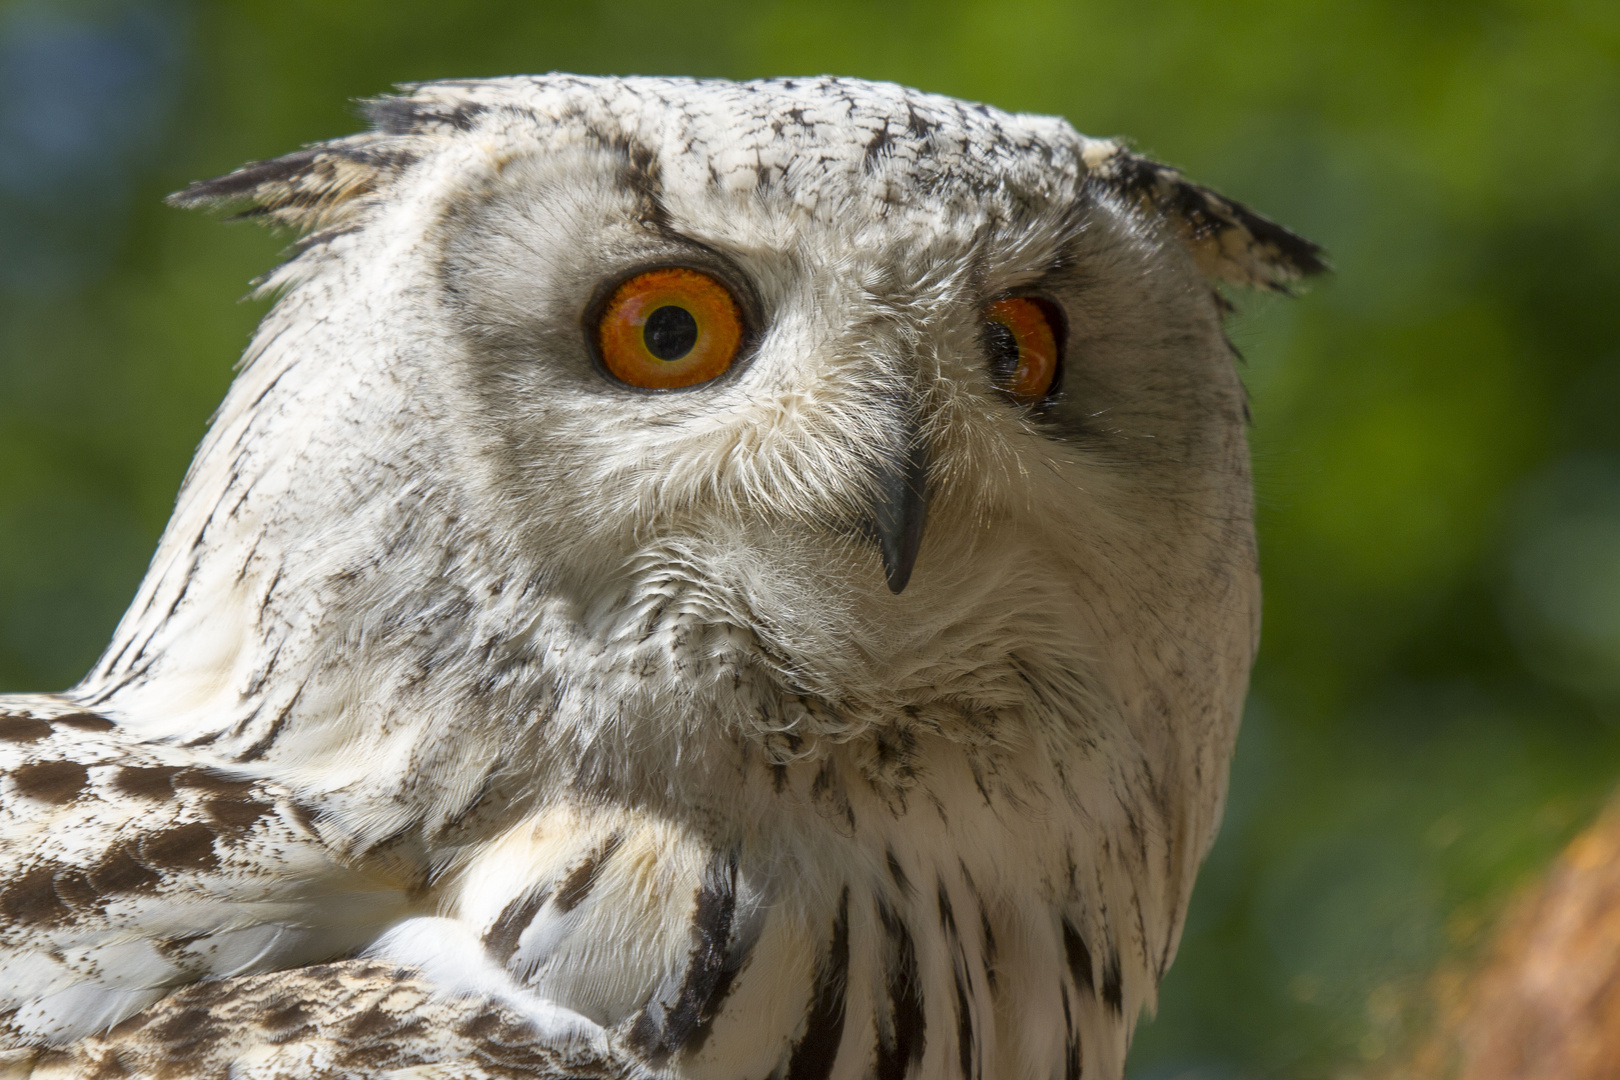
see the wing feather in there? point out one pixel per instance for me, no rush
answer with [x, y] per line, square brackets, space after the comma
[128, 869]
[351, 1020]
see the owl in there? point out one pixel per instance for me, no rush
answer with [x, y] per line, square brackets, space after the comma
[693, 579]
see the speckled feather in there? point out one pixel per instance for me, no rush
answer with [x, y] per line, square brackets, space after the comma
[480, 716]
[129, 869]
[323, 1022]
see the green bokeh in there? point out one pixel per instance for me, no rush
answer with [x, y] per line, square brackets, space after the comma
[1435, 430]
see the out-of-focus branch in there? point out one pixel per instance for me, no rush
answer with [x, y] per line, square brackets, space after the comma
[1545, 1005]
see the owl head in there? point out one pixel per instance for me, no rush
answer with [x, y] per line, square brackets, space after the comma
[804, 409]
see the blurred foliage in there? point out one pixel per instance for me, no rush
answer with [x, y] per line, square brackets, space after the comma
[1436, 438]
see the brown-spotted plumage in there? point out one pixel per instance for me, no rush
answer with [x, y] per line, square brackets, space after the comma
[858, 707]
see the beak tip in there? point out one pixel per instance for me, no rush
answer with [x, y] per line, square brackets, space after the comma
[899, 547]
[901, 510]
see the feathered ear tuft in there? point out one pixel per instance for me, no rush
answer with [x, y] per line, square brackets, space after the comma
[1227, 240]
[310, 189]
[324, 184]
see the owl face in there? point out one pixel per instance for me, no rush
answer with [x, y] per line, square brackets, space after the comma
[708, 400]
[859, 471]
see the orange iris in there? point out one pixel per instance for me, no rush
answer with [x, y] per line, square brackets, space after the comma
[1023, 347]
[669, 328]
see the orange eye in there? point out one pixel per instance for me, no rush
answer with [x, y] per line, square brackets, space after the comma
[669, 328]
[1023, 347]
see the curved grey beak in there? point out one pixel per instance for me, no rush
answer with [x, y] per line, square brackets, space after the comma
[901, 508]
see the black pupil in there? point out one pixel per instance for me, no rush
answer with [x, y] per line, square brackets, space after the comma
[670, 332]
[1002, 346]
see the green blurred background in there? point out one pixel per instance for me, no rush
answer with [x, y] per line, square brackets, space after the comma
[1435, 432]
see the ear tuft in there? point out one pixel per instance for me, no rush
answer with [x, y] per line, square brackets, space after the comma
[1227, 240]
[309, 189]
[325, 184]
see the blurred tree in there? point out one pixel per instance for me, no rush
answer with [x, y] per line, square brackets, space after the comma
[1435, 438]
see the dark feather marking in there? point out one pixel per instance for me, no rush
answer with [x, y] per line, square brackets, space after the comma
[269, 389]
[110, 664]
[23, 729]
[51, 781]
[243, 182]
[286, 1019]
[643, 177]
[84, 721]
[373, 1023]
[252, 717]
[576, 887]
[120, 872]
[236, 815]
[145, 781]
[964, 1027]
[947, 915]
[410, 116]
[898, 874]
[501, 940]
[989, 951]
[875, 146]
[75, 888]
[965, 1039]
[480, 1027]
[276, 202]
[987, 943]
[736, 948]
[177, 949]
[1071, 1039]
[30, 899]
[902, 1041]
[826, 790]
[823, 781]
[722, 988]
[1079, 957]
[1199, 209]
[662, 1029]
[816, 1052]
[305, 817]
[131, 677]
[261, 677]
[213, 782]
[184, 847]
[192, 566]
[1113, 991]
[180, 1028]
[260, 748]
[917, 125]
